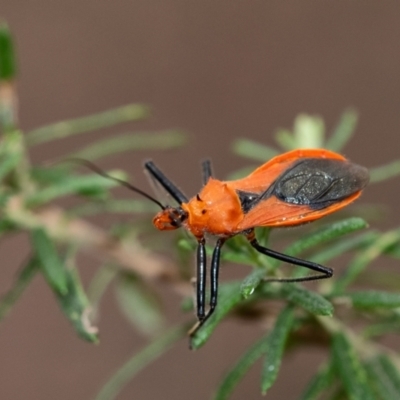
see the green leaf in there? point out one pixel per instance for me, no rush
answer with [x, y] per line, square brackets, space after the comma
[391, 372]
[50, 264]
[374, 299]
[76, 307]
[232, 378]
[25, 277]
[362, 260]
[229, 296]
[65, 284]
[6, 226]
[47, 176]
[384, 172]
[8, 65]
[238, 244]
[393, 251]
[319, 383]
[285, 139]
[309, 131]
[129, 142]
[239, 252]
[230, 381]
[130, 112]
[310, 301]
[337, 249]
[296, 294]
[350, 370]
[253, 150]
[11, 152]
[186, 244]
[83, 185]
[251, 282]
[276, 344]
[139, 304]
[8, 163]
[382, 328]
[343, 131]
[326, 234]
[385, 382]
[139, 361]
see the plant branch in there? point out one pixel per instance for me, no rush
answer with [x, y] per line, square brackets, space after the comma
[92, 239]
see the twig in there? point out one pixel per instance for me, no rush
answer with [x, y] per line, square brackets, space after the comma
[97, 242]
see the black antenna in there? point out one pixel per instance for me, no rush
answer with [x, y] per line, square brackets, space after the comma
[93, 167]
[166, 183]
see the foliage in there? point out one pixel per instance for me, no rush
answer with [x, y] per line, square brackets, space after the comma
[356, 367]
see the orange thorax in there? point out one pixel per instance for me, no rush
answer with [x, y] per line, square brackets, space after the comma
[216, 210]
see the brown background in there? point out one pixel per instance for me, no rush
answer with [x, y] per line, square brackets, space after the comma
[219, 70]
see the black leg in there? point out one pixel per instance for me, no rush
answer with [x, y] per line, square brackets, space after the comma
[213, 286]
[214, 277]
[170, 187]
[324, 272]
[201, 280]
[207, 170]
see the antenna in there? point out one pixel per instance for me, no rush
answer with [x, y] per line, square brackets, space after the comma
[93, 167]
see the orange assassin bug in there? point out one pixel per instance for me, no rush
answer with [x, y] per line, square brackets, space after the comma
[291, 189]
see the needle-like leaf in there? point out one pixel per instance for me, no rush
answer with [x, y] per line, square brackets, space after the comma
[343, 131]
[350, 370]
[276, 343]
[130, 112]
[253, 150]
[368, 299]
[50, 264]
[229, 296]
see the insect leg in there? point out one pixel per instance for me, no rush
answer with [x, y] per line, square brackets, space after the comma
[214, 277]
[213, 286]
[324, 272]
[207, 170]
[201, 279]
[167, 184]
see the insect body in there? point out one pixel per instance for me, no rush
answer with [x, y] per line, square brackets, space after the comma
[291, 189]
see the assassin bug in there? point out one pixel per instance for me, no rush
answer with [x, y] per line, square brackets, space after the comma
[291, 189]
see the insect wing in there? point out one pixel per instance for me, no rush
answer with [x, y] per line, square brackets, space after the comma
[306, 189]
[263, 177]
[274, 212]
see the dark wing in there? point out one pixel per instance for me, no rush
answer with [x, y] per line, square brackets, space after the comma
[310, 189]
[319, 183]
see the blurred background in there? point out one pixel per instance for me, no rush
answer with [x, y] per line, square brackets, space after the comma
[219, 71]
